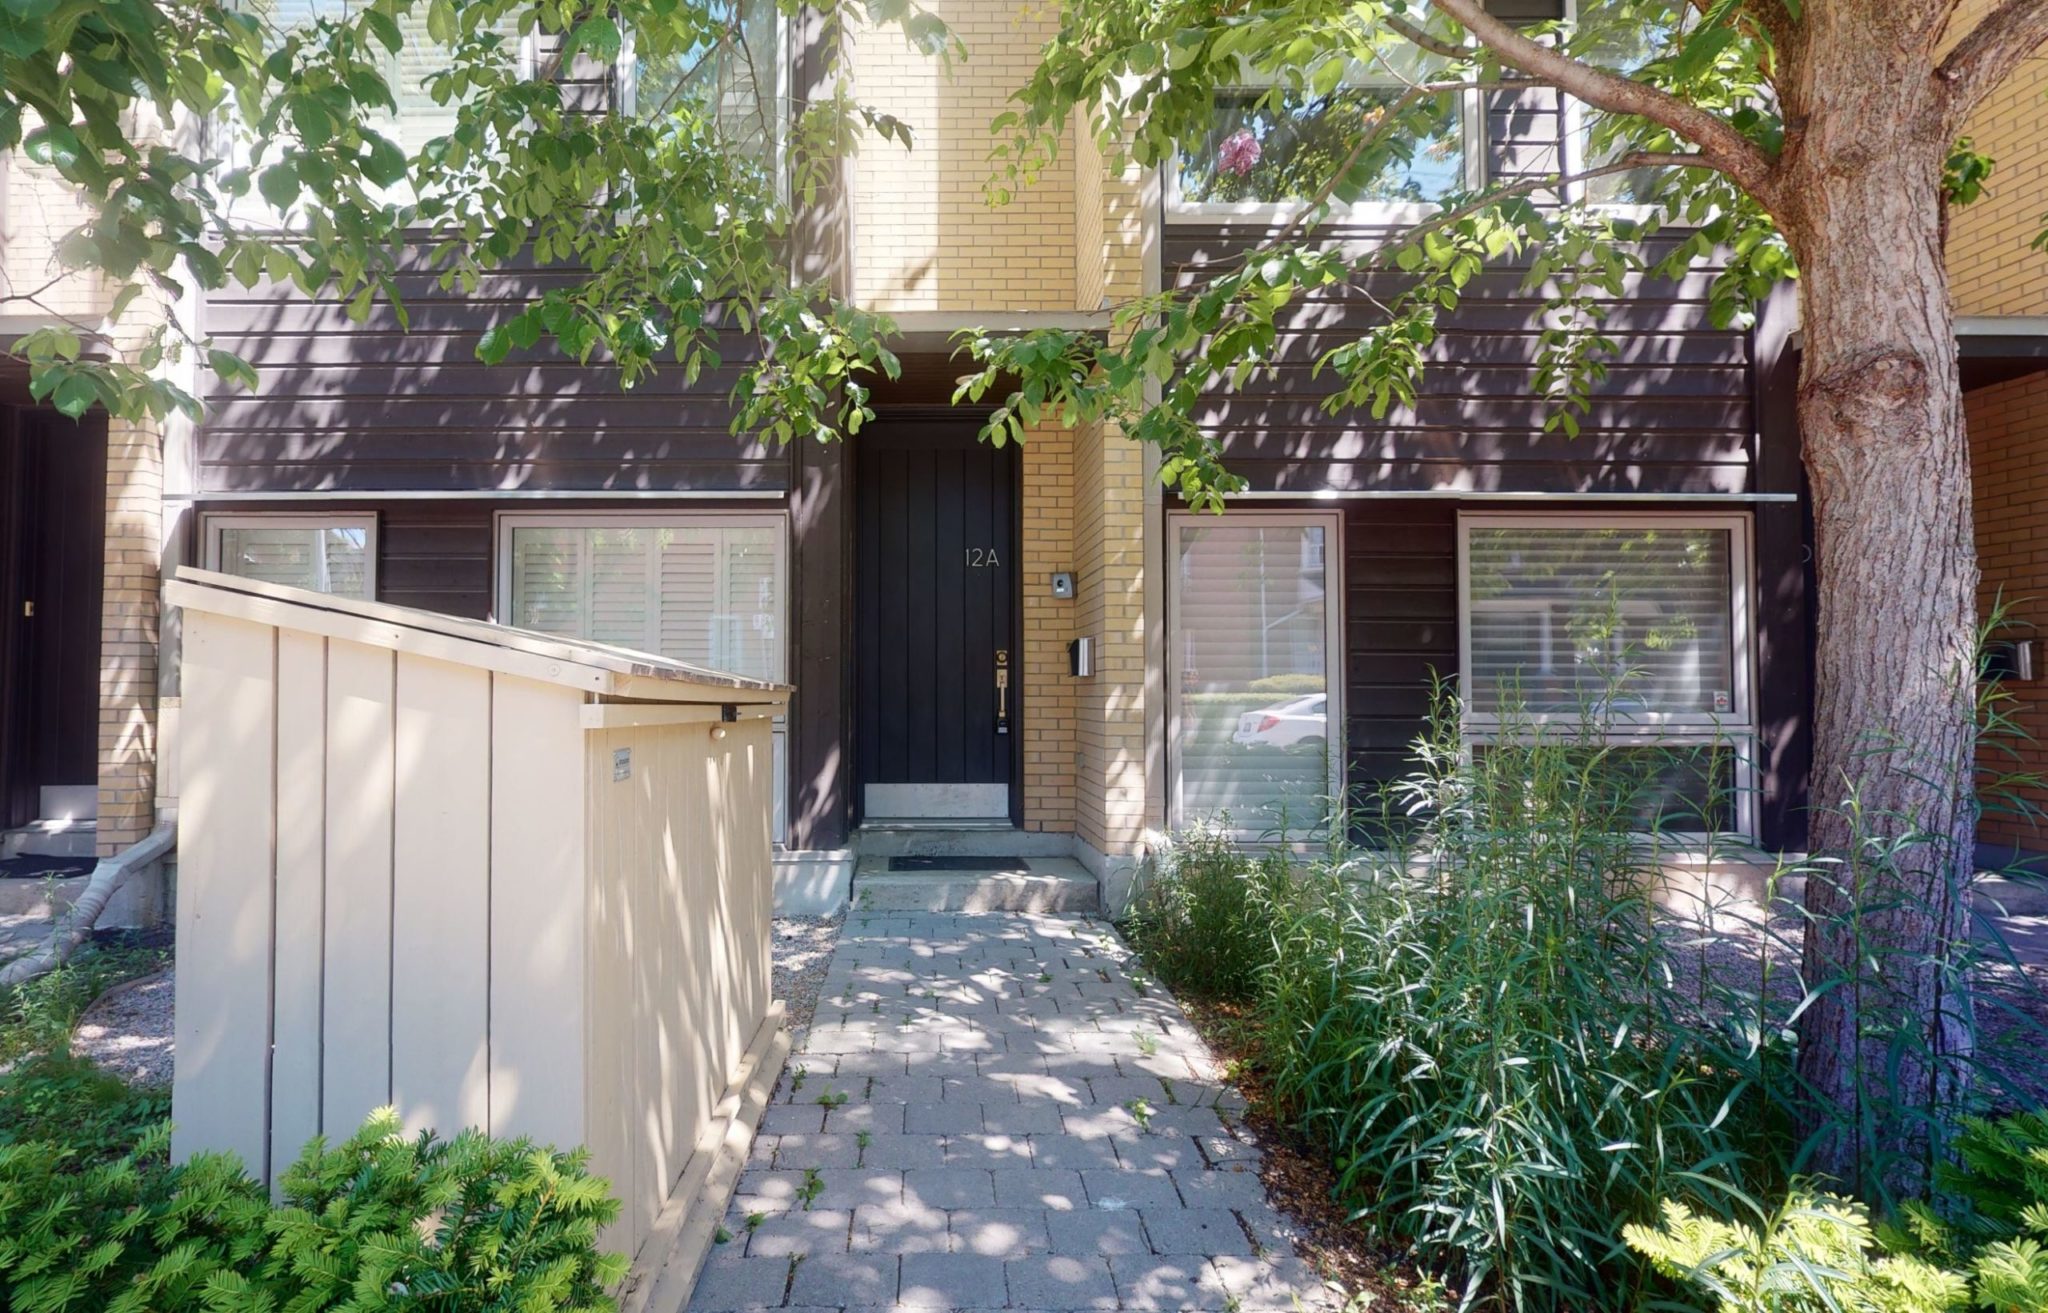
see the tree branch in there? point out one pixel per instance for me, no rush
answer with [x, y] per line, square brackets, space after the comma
[1721, 146]
[1990, 54]
[1416, 36]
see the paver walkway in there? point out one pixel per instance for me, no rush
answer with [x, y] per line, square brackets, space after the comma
[993, 1112]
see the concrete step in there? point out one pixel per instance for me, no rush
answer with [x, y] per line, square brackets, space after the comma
[1057, 884]
[51, 839]
[965, 841]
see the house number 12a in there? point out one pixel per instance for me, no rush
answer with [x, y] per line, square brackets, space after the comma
[980, 558]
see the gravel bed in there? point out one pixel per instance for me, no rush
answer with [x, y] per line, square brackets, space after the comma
[802, 950]
[127, 1030]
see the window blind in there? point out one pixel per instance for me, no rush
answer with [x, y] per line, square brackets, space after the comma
[709, 594]
[1619, 624]
[1250, 634]
[326, 559]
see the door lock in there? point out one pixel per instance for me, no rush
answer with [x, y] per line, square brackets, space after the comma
[1002, 690]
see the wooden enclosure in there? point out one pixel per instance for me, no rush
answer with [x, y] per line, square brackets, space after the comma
[490, 877]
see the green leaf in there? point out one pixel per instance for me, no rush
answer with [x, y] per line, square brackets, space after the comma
[597, 36]
[279, 184]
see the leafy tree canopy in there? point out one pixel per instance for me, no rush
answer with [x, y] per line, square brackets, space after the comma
[1147, 78]
[226, 142]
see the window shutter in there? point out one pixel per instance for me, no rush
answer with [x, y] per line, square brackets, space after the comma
[1625, 624]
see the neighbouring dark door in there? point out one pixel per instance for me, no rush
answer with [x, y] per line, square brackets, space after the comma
[936, 613]
[53, 479]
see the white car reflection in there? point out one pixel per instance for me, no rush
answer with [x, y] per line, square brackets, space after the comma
[1285, 724]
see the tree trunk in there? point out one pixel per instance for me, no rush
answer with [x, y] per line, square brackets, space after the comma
[1884, 1048]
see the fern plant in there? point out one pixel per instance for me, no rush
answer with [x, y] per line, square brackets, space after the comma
[1816, 1254]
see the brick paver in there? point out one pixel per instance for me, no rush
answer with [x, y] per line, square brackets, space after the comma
[993, 1112]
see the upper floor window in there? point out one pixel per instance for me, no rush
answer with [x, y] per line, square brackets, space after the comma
[1275, 143]
[418, 117]
[740, 77]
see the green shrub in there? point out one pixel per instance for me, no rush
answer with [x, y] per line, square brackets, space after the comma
[1816, 1254]
[461, 1226]
[380, 1222]
[127, 1235]
[1203, 916]
[1987, 1248]
[70, 1102]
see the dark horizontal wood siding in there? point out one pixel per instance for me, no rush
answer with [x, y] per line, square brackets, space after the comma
[371, 406]
[1674, 413]
[1400, 630]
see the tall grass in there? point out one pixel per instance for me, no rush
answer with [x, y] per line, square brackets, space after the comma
[1473, 1012]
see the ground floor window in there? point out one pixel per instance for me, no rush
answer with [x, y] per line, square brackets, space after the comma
[335, 554]
[707, 589]
[1632, 630]
[1253, 650]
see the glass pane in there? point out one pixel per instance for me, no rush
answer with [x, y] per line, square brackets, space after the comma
[1283, 145]
[1660, 788]
[419, 118]
[547, 581]
[325, 559]
[1617, 625]
[1251, 633]
[737, 79]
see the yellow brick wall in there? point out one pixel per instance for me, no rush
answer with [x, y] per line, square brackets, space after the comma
[128, 634]
[1109, 224]
[36, 210]
[1992, 269]
[2008, 425]
[1109, 566]
[924, 237]
[1048, 710]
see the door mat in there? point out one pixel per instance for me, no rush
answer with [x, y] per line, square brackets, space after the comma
[978, 865]
[41, 867]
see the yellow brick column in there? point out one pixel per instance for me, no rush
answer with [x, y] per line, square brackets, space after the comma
[1109, 712]
[1048, 690]
[128, 634]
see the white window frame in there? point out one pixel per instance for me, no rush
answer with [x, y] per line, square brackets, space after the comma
[1738, 729]
[1334, 664]
[212, 523]
[506, 522]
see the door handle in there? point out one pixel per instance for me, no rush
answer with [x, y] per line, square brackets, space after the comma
[1002, 690]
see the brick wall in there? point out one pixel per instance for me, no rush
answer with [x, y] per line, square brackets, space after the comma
[1049, 692]
[1109, 565]
[925, 237]
[2008, 425]
[1109, 227]
[1992, 269]
[36, 210]
[128, 635]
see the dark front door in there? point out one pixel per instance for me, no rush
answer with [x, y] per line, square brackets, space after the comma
[53, 479]
[938, 665]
